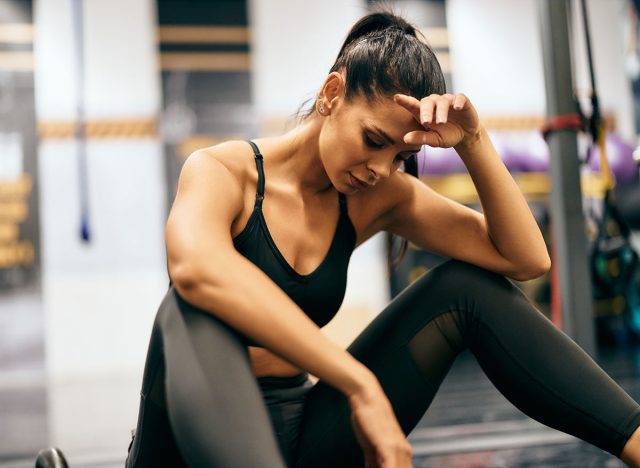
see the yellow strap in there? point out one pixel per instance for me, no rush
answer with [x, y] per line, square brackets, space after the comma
[608, 178]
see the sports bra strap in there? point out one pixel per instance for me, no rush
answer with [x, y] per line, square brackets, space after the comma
[260, 189]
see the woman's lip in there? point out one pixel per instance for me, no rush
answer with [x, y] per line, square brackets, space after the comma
[357, 183]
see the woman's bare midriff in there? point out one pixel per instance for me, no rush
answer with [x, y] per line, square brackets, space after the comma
[265, 363]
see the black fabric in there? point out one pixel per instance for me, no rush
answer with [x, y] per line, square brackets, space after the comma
[210, 393]
[320, 293]
[221, 416]
[285, 398]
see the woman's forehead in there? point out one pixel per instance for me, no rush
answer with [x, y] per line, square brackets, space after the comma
[388, 117]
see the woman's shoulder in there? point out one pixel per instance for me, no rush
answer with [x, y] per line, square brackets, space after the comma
[235, 155]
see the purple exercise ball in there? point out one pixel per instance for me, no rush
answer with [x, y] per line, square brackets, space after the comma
[439, 161]
[527, 151]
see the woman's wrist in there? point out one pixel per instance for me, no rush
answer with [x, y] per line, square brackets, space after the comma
[364, 387]
[470, 144]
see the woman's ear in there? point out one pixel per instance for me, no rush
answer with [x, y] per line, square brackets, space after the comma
[332, 90]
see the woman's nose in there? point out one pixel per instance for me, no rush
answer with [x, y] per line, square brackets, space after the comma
[378, 170]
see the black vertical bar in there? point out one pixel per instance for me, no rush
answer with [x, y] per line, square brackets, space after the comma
[566, 200]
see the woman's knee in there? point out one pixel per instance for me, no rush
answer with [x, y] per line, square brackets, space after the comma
[465, 279]
[468, 289]
[464, 271]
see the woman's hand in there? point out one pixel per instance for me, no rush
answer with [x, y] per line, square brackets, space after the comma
[377, 430]
[448, 119]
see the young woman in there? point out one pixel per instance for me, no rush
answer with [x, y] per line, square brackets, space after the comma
[258, 242]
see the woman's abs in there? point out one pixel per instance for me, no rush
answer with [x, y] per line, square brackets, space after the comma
[265, 363]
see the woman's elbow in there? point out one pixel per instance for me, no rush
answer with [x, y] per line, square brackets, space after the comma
[184, 277]
[534, 270]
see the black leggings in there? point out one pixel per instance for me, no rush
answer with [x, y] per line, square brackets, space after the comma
[202, 406]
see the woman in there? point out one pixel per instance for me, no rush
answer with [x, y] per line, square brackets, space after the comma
[258, 242]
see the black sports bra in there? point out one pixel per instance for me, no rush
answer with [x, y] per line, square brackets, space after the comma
[320, 293]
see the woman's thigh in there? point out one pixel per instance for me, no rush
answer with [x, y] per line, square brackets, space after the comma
[199, 392]
[326, 435]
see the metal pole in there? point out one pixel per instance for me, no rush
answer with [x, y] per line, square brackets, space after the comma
[566, 200]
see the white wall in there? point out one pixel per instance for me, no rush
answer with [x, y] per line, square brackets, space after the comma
[55, 71]
[496, 55]
[121, 58]
[293, 45]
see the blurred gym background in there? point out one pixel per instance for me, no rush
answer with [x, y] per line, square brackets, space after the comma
[102, 100]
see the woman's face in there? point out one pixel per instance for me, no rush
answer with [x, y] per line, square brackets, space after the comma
[364, 140]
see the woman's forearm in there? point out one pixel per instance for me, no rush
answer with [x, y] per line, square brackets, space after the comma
[244, 297]
[510, 223]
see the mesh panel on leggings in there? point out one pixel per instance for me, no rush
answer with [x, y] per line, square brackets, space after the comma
[436, 346]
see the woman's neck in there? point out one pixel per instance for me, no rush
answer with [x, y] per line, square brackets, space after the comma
[295, 156]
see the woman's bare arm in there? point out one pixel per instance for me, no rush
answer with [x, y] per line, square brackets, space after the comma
[209, 273]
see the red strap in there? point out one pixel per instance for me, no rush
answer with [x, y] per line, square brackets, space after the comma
[562, 122]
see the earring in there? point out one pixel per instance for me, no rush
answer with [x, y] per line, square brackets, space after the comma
[321, 108]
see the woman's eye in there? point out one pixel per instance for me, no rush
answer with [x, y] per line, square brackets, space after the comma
[372, 143]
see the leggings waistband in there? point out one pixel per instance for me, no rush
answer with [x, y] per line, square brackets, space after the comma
[282, 382]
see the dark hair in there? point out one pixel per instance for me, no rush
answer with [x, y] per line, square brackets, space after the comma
[383, 55]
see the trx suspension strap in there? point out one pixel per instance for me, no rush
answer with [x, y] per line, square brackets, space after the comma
[80, 123]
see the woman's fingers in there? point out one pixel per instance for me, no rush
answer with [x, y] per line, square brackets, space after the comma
[419, 137]
[446, 118]
[410, 103]
[459, 101]
[431, 109]
[427, 107]
[442, 107]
